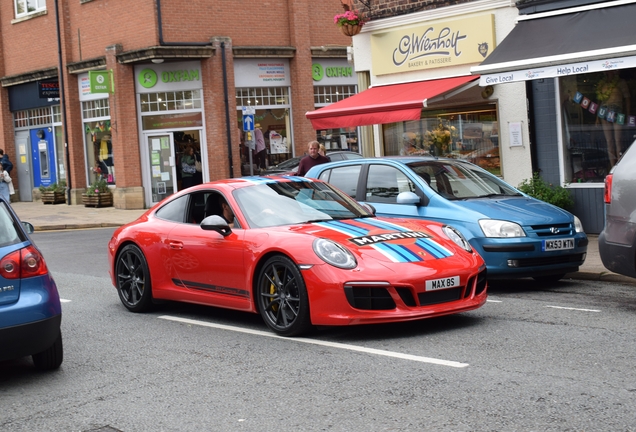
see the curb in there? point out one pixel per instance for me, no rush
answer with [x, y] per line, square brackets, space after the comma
[604, 276]
[75, 226]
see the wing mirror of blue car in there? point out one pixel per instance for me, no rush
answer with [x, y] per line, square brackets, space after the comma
[368, 207]
[28, 227]
[408, 198]
[216, 223]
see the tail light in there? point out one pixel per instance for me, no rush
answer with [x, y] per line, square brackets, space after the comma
[23, 263]
[607, 196]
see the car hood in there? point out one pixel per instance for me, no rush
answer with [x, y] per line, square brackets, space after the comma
[396, 240]
[522, 210]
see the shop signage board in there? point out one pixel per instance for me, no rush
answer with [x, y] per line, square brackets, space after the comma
[333, 72]
[151, 78]
[557, 71]
[99, 81]
[433, 44]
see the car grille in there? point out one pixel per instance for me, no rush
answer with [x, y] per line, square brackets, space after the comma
[561, 259]
[364, 297]
[565, 229]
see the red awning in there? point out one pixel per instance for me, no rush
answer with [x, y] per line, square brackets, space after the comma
[384, 104]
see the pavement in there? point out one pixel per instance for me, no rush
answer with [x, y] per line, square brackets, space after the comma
[64, 217]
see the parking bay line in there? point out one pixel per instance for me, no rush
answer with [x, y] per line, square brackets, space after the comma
[319, 342]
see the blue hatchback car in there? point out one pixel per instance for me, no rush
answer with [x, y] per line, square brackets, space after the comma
[517, 235]
[30, 310]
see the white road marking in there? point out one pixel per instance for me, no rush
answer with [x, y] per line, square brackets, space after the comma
[319, 342]
[575, 309]
[494, 301]
[64, 301]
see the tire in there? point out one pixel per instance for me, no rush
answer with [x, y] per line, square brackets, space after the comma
[133, 279]
[549, 279]
[282, 297]
[51, 358]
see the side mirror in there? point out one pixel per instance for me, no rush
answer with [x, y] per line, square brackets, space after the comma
[408, 198]
[216, 223]
[368, 207]
[28, 227]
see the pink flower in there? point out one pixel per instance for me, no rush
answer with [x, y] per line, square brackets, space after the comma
[349, 17]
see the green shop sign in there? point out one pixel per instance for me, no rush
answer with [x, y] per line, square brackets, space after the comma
[318, 72]
[148, 78]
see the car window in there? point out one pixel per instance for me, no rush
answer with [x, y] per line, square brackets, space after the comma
[384, 183]
[352, 155]
[9, 233]
[344, 178]
[461, 180]
[175, 210]
[286, 203]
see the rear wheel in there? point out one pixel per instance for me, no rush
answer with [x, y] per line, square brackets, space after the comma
[133, 279]
[549, 278]
[282, 297]
[51, 358]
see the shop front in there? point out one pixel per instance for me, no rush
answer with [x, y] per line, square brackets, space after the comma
[38, 159]
[264, 84]
[422, 99]
[172, 128]
[580, 91]
[335, 80]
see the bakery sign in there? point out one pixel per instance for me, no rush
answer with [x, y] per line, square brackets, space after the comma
[433, 45]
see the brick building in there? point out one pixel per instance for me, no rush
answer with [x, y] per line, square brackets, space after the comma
[180, 72]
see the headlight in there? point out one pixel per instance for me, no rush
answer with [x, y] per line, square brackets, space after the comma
[334, 254]
[457, 237]
[578, 226]
[500, 228]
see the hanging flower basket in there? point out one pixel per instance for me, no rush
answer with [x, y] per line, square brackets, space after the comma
[350, 22]
[350, 29]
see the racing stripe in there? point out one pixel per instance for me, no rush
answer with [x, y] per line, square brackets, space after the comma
[403, 251]
[430, 244]
[345, 228]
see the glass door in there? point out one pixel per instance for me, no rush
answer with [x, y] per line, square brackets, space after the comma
[163, 173]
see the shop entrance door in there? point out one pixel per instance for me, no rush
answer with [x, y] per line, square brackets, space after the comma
[22, 165]
[163, 173]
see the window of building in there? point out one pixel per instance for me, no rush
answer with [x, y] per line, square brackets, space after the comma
[97, 140]
[341, 138]
[597, 122]
[36, 116]
[171, 101]
[27, 7]
[272, 106]
[469, 133]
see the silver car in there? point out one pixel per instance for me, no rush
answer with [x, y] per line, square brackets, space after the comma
[617, 241]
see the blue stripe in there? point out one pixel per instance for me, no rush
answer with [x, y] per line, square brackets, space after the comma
[380, 224]
[355, 229]
[433, 246]
[413, 257]
[395, 254]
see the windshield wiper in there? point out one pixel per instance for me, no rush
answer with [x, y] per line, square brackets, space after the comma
[492, 195]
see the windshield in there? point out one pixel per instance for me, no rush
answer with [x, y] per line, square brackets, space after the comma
[289, 163]
[457, 180]
[286, 203]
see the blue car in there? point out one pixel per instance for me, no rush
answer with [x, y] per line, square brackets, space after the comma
[517, 235]
[30, 310]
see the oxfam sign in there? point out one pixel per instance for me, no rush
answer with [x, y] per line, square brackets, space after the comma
[186, 76]
[326, 73]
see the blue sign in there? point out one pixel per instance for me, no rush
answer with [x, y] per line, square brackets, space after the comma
[248, 123]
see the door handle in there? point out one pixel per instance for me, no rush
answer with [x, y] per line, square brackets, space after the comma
[176, 245]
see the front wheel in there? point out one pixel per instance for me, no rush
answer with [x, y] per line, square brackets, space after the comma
[133, 279]
[282, 297]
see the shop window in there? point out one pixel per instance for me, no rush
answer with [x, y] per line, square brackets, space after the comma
[27, 7]
[469, 133]
[262, 96]
[597, 122]
[96, 108]
[171, 101]
[36, 117]
[336, 139]
[99, 151]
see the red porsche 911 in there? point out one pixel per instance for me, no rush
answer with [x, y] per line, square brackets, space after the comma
[296, 250]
